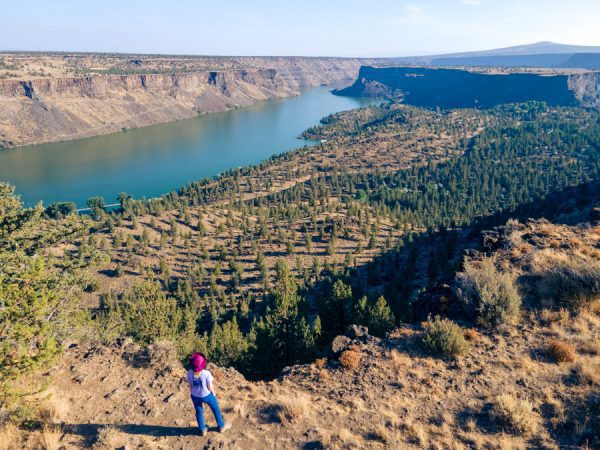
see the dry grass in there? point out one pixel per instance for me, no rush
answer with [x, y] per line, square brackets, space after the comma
[50, 437]
[471, 425]
[320, 363]
[591, 347]
[549, 316]
[291, 408]
[587, 372]
[53, 410]
[471, 334]
[106, 438]
[515, 413]
[383, 435]
[417, 434]
[573, 283]
[349, 359]
[561, 351]
[239, 408]
[324, 375]
[349, 439]
[10, 437]
[556, 408]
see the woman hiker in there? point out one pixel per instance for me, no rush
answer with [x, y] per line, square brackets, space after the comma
[202, 390]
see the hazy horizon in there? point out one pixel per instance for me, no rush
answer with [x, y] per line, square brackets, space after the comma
[268, 28]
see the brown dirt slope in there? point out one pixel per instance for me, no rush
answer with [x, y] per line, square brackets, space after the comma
[395, 397]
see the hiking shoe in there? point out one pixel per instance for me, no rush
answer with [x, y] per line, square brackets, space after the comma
[225, 427]
[203, 432]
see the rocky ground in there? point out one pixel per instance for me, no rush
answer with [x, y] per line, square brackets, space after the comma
[379, 394]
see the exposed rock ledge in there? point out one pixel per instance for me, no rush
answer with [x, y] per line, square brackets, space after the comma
[48, 110]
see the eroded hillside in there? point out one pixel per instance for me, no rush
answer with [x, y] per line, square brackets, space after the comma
[533, 383]
[264, 267]
[51, 97]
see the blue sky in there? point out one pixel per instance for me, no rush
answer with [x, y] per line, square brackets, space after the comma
[302, 27]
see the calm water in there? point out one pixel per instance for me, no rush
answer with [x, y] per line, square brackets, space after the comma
[151, 161]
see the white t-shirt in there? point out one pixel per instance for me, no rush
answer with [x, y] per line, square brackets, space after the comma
[200, 383]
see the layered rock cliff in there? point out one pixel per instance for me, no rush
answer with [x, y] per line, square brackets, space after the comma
[450, 88]
[586, 87]
[54, 109]
[57, 109]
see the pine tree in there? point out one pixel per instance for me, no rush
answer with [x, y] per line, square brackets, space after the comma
[227, 346]
[381, 318]
[283, 336]
[335, 309]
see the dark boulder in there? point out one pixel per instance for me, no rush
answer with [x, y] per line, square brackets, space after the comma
[339, 344]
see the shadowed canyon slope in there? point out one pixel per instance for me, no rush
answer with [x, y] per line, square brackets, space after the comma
[51, 109]
[450, 88]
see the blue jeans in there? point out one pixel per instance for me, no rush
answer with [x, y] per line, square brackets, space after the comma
[211, 401]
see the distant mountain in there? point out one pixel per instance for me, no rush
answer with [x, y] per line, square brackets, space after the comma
[540, 54]
[539, 48]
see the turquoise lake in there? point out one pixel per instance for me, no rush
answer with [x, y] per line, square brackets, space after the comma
[154, 160]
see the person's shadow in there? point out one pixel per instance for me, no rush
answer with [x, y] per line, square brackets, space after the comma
[90, 430]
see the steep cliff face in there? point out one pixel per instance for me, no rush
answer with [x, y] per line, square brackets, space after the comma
[586, 87]
[57, 109]
[54, 109]
[451, 88]
[298, 72]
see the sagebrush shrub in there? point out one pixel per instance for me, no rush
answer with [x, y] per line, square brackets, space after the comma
[444, 337]
[488, 294]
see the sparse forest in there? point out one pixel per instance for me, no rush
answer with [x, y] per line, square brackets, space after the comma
[263, 266]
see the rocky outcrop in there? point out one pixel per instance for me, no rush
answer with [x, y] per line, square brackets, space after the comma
[451, 88]
[586, 87]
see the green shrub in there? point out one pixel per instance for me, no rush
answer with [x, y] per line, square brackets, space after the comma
[444, 337]
[489, 295]
[573, 284]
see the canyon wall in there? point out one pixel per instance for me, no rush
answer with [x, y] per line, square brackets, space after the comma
[451, 88]
[586, 87]
[54, 109]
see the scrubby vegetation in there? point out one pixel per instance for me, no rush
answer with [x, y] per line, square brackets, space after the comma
[38, 295]
[488, 295]
[382, 225]
[574, 283]
[561, 351]
[515, 413]
[350, 359]
[444, 337]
